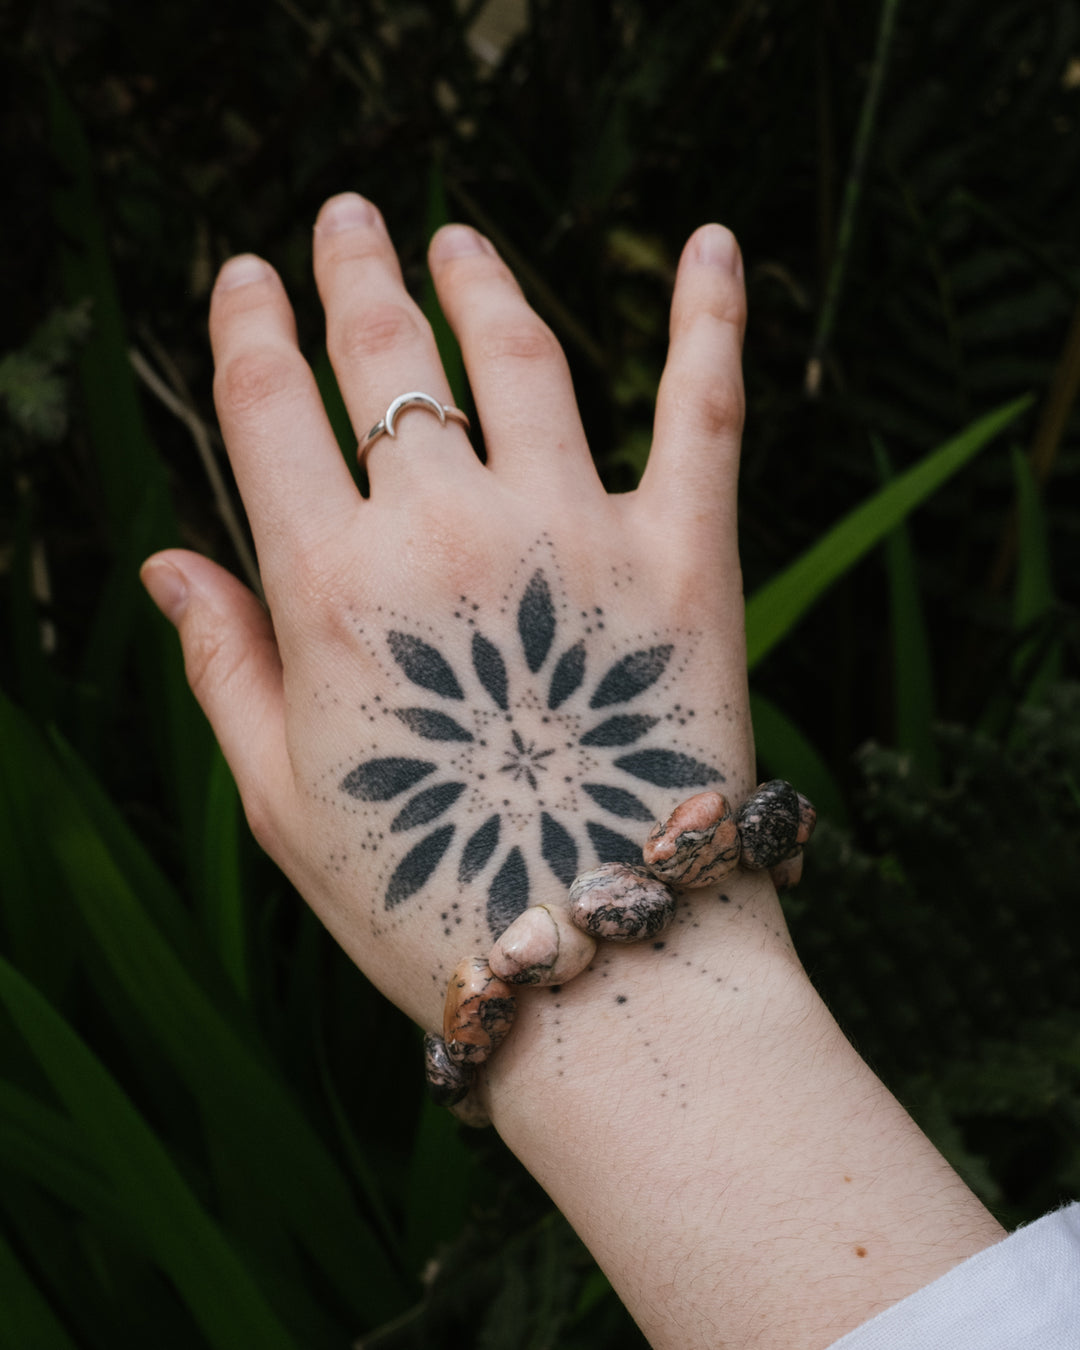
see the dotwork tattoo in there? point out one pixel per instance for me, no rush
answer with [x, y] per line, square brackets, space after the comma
[532, 745]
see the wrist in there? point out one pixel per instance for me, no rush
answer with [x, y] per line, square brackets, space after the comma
[690, 1103]
[716, 988]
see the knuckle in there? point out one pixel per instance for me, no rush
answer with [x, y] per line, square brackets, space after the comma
[454, 549]
[521, 339]
[254, 378]
[213, 663]
[721, 408]
[380, 329]
[322, 598]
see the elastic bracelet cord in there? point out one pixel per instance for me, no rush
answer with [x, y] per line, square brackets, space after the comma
[699, 844]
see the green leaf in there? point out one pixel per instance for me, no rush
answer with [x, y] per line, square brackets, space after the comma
[775, 608]
[221, 897]
[27, 1322]
[784, 752]
[335, 407]
[133, 487]
[438, 214]
[43, 1145]
[913, 671]
[438, 1187]
[207, 1041]
[1035, 665]
[190, 1248]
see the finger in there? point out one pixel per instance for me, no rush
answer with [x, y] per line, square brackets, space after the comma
[232, 664]
[692, 473]
[517, 371]
[295, 484]
[381, 347]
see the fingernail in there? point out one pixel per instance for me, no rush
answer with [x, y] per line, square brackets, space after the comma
[347, 211]
[242, 271]
[167, 587]
[716, 247]
[458, 241]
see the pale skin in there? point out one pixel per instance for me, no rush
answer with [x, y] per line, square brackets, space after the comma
[483, 678]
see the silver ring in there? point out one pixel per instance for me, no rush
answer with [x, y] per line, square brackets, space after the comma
[414, 399]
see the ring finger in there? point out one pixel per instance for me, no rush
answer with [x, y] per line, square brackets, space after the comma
[381, 347]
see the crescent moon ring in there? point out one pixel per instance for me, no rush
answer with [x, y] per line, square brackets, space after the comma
[414, 399]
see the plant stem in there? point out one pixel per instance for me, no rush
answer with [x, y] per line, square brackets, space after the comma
[852, 196]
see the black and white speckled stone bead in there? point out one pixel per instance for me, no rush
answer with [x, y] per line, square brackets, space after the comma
[621, 903]
[768, 824]
[447, 1081]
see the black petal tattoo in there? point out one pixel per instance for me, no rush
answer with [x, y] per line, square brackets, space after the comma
[490, 669]
[611, 846]
[630, 676]
[536, 621]
[557, 848]
[380, 779]
[416, 867]
[524, 758]
[669, 769]
[621, 730]
[619, 802]
[423, 665]
[478, 850]
[509, 893]
[568, 674]
[432, 725]
[426, 806]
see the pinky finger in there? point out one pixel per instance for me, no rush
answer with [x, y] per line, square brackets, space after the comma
[693, 468]
[234, 670]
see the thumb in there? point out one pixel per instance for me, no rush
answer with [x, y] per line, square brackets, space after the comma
[234, 669]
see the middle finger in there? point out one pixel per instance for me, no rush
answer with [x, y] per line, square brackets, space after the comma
[381, 346]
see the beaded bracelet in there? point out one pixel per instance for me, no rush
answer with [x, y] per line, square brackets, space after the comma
[697, 845]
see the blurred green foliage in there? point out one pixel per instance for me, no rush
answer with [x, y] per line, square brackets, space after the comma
[189, 1150]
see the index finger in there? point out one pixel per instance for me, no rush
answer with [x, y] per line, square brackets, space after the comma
[296, 487]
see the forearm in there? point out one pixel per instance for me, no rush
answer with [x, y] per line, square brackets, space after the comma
[740, 1174]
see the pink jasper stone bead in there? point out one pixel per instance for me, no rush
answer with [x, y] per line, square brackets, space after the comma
[479, 1011]
[789, 872]
[621, 903]
[697, 845]
[542, 946]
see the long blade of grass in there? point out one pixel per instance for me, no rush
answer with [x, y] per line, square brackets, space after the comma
[775, 608]
[207, 1273]
[913, 671]
[208, 1044]
[134, 491]
[438, 1186]
[44, 1146]
[784, 752]
[438, 214]
[221, 896]
[852, 195]
[27, 1321]
[1033, 597]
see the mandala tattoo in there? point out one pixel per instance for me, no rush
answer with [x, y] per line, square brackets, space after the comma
[519, 744]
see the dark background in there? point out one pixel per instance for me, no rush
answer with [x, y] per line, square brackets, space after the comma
[211, 1131]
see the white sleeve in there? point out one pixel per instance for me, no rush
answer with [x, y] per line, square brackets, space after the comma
[1021, 1294]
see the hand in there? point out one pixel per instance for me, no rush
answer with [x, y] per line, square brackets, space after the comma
[478, 681]
[484, 678]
